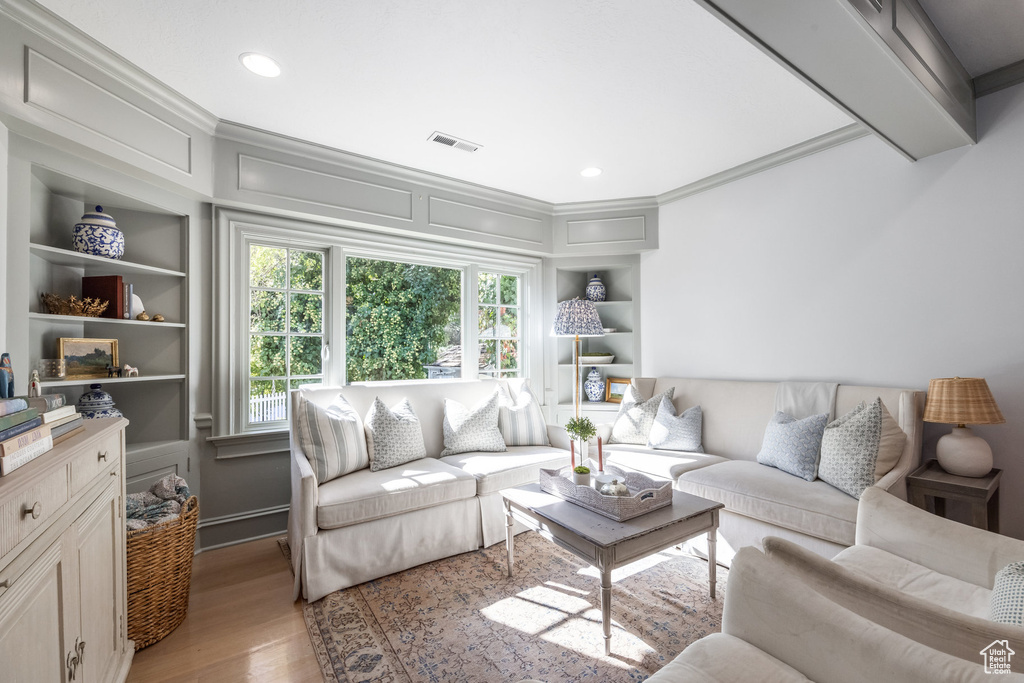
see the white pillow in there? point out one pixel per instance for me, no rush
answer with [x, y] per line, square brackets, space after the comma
[332, 438]
[521, 420]
[636, 416]
[393, 435]
[673, 432]
[473, 430]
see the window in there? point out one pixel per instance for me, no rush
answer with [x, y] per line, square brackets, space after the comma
[498, 298]
[403, 320]
[286, 327]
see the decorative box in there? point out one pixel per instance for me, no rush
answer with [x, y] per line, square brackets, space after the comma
[646, 496]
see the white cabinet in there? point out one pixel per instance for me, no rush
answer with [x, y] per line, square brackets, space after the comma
[62, 577]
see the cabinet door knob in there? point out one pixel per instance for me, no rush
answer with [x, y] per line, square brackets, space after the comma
[34, 511]
[6, 583]
[102, 456]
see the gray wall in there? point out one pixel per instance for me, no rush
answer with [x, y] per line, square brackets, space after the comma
[857, 266]
[4, 204]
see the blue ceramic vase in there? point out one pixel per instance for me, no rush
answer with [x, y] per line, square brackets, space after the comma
[97, 235]
[595, 289]
[594, 386]
[97, 403]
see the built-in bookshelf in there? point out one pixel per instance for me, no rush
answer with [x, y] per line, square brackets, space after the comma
[619, 311]
[155, 263]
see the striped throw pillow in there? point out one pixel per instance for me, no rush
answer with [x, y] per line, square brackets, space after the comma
[520, 419]
[332, 438]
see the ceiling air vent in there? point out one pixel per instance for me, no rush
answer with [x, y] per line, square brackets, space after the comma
[452, 141]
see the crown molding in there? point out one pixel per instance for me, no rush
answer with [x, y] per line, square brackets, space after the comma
[605, 206]
[999, 79]
[44, 23]
[800, 150]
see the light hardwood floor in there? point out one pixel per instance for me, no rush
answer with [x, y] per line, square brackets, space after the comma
[241, 626]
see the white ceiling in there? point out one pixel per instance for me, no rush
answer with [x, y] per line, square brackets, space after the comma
[657, 93]
[984, 34]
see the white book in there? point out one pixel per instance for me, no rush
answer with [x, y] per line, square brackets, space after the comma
[9, 463]
[56, 414]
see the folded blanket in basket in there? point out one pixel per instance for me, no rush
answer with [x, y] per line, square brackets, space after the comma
[164, 501]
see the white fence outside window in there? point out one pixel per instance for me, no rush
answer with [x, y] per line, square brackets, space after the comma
[268, 408]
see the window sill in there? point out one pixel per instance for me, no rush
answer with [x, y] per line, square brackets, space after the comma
[232, 446]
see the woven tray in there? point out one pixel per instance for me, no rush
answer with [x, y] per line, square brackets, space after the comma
[647, 494]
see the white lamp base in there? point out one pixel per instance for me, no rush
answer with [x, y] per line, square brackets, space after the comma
[962, 453]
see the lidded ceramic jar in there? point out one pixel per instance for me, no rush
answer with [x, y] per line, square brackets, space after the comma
[97, 403]
[614, 488]
[594, 386]
[595, 289]
[96, 234]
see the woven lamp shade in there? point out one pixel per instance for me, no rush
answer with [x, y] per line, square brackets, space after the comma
[961, 400]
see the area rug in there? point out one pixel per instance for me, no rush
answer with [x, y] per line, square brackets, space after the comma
[464, 619]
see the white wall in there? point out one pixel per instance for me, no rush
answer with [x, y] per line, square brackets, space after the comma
[857, 266]
[3, 234]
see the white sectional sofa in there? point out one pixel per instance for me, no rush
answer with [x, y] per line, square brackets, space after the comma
[760, 500]
[364, 525]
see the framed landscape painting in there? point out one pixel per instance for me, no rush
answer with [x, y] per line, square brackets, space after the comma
[87, 358]
[615, 389]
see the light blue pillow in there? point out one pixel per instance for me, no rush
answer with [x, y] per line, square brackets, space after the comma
[793, 445]
[673, 432]
[1007, 605]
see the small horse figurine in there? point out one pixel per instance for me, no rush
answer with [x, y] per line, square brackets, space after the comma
[113, 371]
[129, 371]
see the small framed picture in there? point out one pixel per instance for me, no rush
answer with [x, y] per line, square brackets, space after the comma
[87, 358]
[615, 389]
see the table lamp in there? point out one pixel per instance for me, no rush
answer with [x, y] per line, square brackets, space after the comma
[962, 401]
[577, 318]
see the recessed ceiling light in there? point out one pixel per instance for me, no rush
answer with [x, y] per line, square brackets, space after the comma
[260, 65]
[591, 172]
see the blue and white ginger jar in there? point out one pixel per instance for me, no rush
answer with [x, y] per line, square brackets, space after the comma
[97, 403]
[97, 235]
[595, 289]
[594, 386]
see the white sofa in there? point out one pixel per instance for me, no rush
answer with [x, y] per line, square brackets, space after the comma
[760, 500]
[364, 525]
[776, 628]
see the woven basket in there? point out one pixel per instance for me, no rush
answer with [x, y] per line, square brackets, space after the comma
[159, 576]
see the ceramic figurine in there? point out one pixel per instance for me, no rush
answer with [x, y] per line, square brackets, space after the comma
[595, 289]
[142, 316]
[129, 371]
[97, 403]
[158, 318]
[614, 488]
[34, 388]
[594, 386]
[6, 377]
[97, 234]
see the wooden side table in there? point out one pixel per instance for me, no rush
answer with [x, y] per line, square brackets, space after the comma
[982, 493]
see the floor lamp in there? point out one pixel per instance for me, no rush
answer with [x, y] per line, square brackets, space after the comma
[577, 318]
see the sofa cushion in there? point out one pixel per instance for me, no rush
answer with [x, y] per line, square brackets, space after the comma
[393, 435]
[673, 432]
[472, 429]
[635, 417]
[332, 438]
[517, 466]
[722, 658]
[916, 580]
[765, 493]
[859, 447]
[793, 445]
[367, 495]
[521, 419]
[657, 463]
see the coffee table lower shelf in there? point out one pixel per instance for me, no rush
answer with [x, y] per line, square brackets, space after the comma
[606, 543]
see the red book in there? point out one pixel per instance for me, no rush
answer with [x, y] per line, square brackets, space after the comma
[107, 288]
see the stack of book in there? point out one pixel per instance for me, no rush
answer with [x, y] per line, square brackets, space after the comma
[31, 426]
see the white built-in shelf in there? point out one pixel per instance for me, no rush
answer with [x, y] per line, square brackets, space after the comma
[49, 317]
[84, 381]
[618, 302]
[73, 259]
[597, 365]
[606, 406]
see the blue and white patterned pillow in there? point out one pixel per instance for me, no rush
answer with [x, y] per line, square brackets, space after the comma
[636, 416]
[468, 430]
[673, 432]
[393, 435]
[332, 438]
[521, 419]
[859, 447]
[1007, 605]
[793, 445]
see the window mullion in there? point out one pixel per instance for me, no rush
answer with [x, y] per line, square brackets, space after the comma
[471, 324]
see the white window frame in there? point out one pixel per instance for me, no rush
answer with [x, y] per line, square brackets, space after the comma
[235, 229]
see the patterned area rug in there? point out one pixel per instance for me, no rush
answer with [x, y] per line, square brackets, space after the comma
[463, 619]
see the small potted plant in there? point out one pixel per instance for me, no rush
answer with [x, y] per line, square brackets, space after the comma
[581, 475]
[579, 429]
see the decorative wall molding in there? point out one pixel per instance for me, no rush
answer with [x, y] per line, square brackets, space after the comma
[997, 80]
[247, 445]
[452, 215]
[800, 150]
[248, 514]
[624, 230]
[630, 205]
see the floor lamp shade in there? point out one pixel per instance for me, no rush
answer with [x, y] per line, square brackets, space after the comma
[577, 318]
[962, 401]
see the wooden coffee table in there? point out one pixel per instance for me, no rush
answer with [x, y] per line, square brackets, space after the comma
[608, 544]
